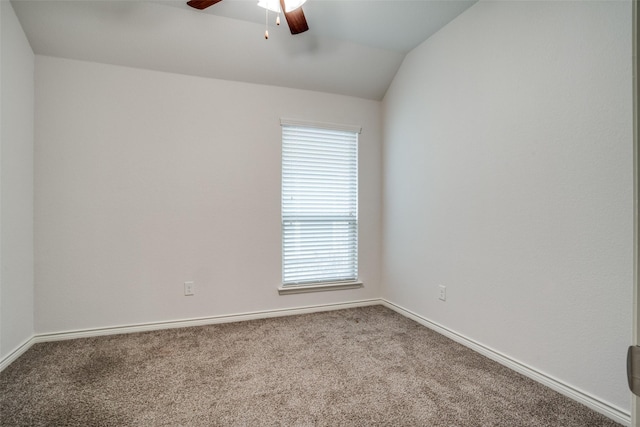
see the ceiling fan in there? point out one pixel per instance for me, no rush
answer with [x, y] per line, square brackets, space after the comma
[292, 10]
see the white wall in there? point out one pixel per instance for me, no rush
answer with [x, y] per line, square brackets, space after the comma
[508, 178]
[145, 180]
[16, 183]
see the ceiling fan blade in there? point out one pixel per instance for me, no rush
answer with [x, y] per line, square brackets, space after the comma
[202, 4]
[296, 20]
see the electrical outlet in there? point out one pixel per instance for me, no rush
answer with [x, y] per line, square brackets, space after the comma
[443, 292]
[189, 288]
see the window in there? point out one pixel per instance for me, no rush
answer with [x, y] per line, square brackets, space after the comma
[319, 204]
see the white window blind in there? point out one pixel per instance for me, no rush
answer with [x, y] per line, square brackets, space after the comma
[319, 205]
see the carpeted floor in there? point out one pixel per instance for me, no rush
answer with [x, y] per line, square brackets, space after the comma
[358, 367]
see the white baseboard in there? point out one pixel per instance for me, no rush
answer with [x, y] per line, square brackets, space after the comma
[604, 408]
[17, 352]
[182, 323]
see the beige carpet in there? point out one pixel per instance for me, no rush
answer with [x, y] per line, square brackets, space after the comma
[358, 367]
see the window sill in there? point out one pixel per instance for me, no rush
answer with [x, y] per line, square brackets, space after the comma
[301, 289]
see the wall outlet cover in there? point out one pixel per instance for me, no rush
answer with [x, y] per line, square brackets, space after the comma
[443, 292]
[189, 288]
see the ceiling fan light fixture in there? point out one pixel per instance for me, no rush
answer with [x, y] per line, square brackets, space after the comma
[274, 5]
[291, 5]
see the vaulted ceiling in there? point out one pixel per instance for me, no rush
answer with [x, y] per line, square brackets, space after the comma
[353, 47]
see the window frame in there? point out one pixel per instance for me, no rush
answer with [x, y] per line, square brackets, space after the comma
[324, 285]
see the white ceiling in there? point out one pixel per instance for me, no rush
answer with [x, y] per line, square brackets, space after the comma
[353, 47]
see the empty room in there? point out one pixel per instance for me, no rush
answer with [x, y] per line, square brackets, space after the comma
[318, 213]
